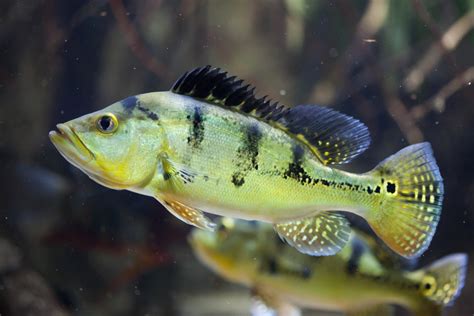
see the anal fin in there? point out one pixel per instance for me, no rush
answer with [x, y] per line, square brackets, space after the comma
[322, 235]
[189, 215]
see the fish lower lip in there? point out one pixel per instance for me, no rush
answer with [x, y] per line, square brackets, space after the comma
[71, 143]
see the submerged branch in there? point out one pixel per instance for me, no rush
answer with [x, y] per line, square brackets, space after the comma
[371, 22]
[134, 41]
[447, 43]
[373, 19]
[438, 101]
[400, 114]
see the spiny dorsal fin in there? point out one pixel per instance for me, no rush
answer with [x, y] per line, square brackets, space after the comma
[333, 137]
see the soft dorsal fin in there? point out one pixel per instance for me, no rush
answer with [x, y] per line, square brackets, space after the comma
[333, 137]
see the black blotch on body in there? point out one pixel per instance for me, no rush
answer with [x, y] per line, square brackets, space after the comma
[129, 103]
[306, 273]
[247, 154]
[391, 187]
[295, 169]
[272, 266]
[197, 127]
[358, 249]
[253, 135]
[150, 114]
[237, 179]
[369, 190]
[377, 189]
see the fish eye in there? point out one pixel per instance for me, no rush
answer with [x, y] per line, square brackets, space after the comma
[107, 123]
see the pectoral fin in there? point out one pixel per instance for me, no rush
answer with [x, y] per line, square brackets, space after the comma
[378, 310]
[189, 215]
[322, 235]
[266, 304]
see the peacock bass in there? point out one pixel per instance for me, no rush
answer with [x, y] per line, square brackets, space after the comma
[209, 145]
[364, 278]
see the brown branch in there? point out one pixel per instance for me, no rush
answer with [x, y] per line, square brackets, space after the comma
[438, 101]
[372, 20]
[427, 19]
[405, 121]
[447, 43]
[134, 41]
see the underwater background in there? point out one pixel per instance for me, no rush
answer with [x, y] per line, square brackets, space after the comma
[69, 246]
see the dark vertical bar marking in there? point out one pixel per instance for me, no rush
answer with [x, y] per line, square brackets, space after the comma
[358, 249]
[247, 154]
[196, 132]
[295, 169]
[253, 135]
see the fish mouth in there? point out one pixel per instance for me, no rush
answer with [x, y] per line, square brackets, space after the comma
[73, 149]
[70, 146]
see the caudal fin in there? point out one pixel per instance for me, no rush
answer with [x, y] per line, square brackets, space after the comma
[411, 197]
[443, 280]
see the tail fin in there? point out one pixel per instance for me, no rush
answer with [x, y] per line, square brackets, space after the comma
[411, 197]
[443, 280]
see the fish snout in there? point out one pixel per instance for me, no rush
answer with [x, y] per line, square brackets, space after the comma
[69, 144]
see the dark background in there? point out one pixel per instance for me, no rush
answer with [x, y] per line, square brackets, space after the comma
[70, 246]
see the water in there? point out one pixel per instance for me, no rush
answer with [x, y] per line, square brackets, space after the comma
[72, 247]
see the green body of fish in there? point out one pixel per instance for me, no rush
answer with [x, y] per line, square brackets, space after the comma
[210, 146]
[241, 167]
[362, 277]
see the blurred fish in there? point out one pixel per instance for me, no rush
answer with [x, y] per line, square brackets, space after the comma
[209, 145]
[355, 281]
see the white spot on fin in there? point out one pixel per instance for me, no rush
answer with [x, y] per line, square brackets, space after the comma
[322, 235]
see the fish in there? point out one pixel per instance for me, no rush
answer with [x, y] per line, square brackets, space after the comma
[209, 145]
[364, 278]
